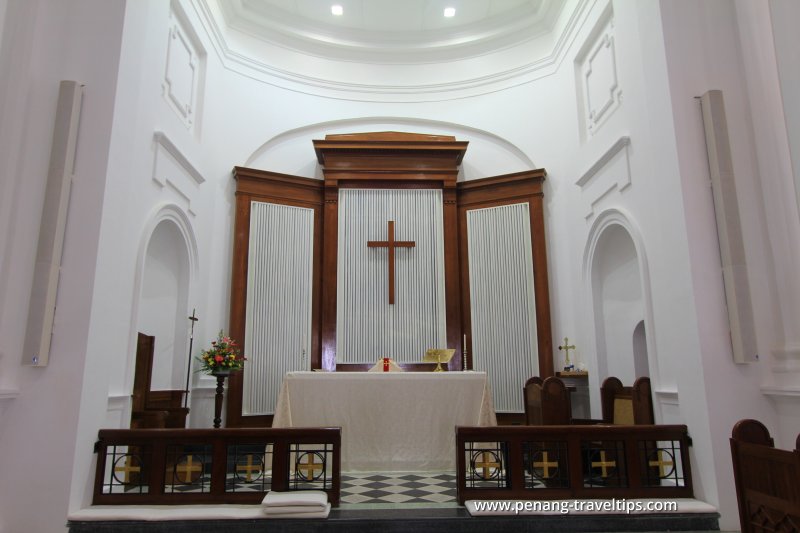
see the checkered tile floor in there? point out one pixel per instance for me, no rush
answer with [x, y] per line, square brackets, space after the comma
[399, 488]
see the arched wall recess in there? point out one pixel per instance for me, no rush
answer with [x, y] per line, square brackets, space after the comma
[605, 221]
[160, 213]
[291, 152]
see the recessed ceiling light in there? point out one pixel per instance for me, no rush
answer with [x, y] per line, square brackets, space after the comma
[449, 12]
[337, 9]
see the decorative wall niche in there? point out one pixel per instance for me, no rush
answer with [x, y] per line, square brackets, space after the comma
[596, 75]
[184, 74]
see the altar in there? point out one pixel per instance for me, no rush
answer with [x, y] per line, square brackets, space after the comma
[391, 422]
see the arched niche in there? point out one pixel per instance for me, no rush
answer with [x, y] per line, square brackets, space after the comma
[617, 295]
[617, 278]
[488, 154]
[162, 304]
[641, 364]
[167, 251]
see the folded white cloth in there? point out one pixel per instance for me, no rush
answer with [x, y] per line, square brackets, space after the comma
[309, 500]
[294, 509]
[298, 512]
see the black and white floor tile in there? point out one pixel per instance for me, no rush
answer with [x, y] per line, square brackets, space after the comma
[418, 488]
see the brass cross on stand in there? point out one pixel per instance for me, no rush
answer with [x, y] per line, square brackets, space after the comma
[567, 347]
[391, 244]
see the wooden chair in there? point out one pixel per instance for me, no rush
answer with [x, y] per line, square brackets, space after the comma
[532, 395]
[767, 480]
[627, 405]
[547, 402]
[153, 409]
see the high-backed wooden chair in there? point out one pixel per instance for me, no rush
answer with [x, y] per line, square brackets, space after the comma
[532, 395]
[153, 409]
[547, 402]
[627, 405]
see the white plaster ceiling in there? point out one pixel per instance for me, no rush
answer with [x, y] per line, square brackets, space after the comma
[393, 31]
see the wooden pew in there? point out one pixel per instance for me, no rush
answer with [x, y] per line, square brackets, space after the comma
[767, 480]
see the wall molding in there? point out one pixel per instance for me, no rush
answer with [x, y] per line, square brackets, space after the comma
[163, 140]
[781, 392]
[786, 359]
[621, 143]
[602, 178]
[669, 397]
[8, 394]
[172, 169]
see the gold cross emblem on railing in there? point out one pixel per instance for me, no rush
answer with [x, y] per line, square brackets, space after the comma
[603, 464]
[310, 466]
[661, 463]
[488, 464]
[248, 468]
[127, 469]
[187, 468]
[545, 465]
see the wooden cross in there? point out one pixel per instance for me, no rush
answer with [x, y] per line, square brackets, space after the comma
[545, 465]
[567, 347]
[188, 468]
[310, 466]
[604, 464]
[249, 468]
[487, 465]
[391, 244]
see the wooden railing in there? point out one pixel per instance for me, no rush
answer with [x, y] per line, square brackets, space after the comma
[190, 466]
[767, 480]
[564, 462]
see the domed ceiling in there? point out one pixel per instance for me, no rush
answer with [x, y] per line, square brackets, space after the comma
[393, 30]
[394, 46]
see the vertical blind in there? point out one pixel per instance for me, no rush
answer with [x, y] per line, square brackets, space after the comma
[278, 324]
[504, 340]
[367, 327]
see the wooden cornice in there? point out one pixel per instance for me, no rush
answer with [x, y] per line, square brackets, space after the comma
[371, 151]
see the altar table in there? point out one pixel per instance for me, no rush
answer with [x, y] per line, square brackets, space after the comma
[392, 421]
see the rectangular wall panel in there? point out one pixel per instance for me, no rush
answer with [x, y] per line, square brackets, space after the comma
[502, 306]
[279, 291]
[368, 328]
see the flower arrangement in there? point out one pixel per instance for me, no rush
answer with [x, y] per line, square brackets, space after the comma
[223, 355]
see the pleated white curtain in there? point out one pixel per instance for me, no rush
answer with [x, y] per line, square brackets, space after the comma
[278, 324]
[367, 327]
[502, 306]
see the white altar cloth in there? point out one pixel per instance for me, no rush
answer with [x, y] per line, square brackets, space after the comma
[391, 422]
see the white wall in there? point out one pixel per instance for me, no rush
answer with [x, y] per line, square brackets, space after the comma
[50, 41]
[787, 42]
[779, 339]
[699, 40]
